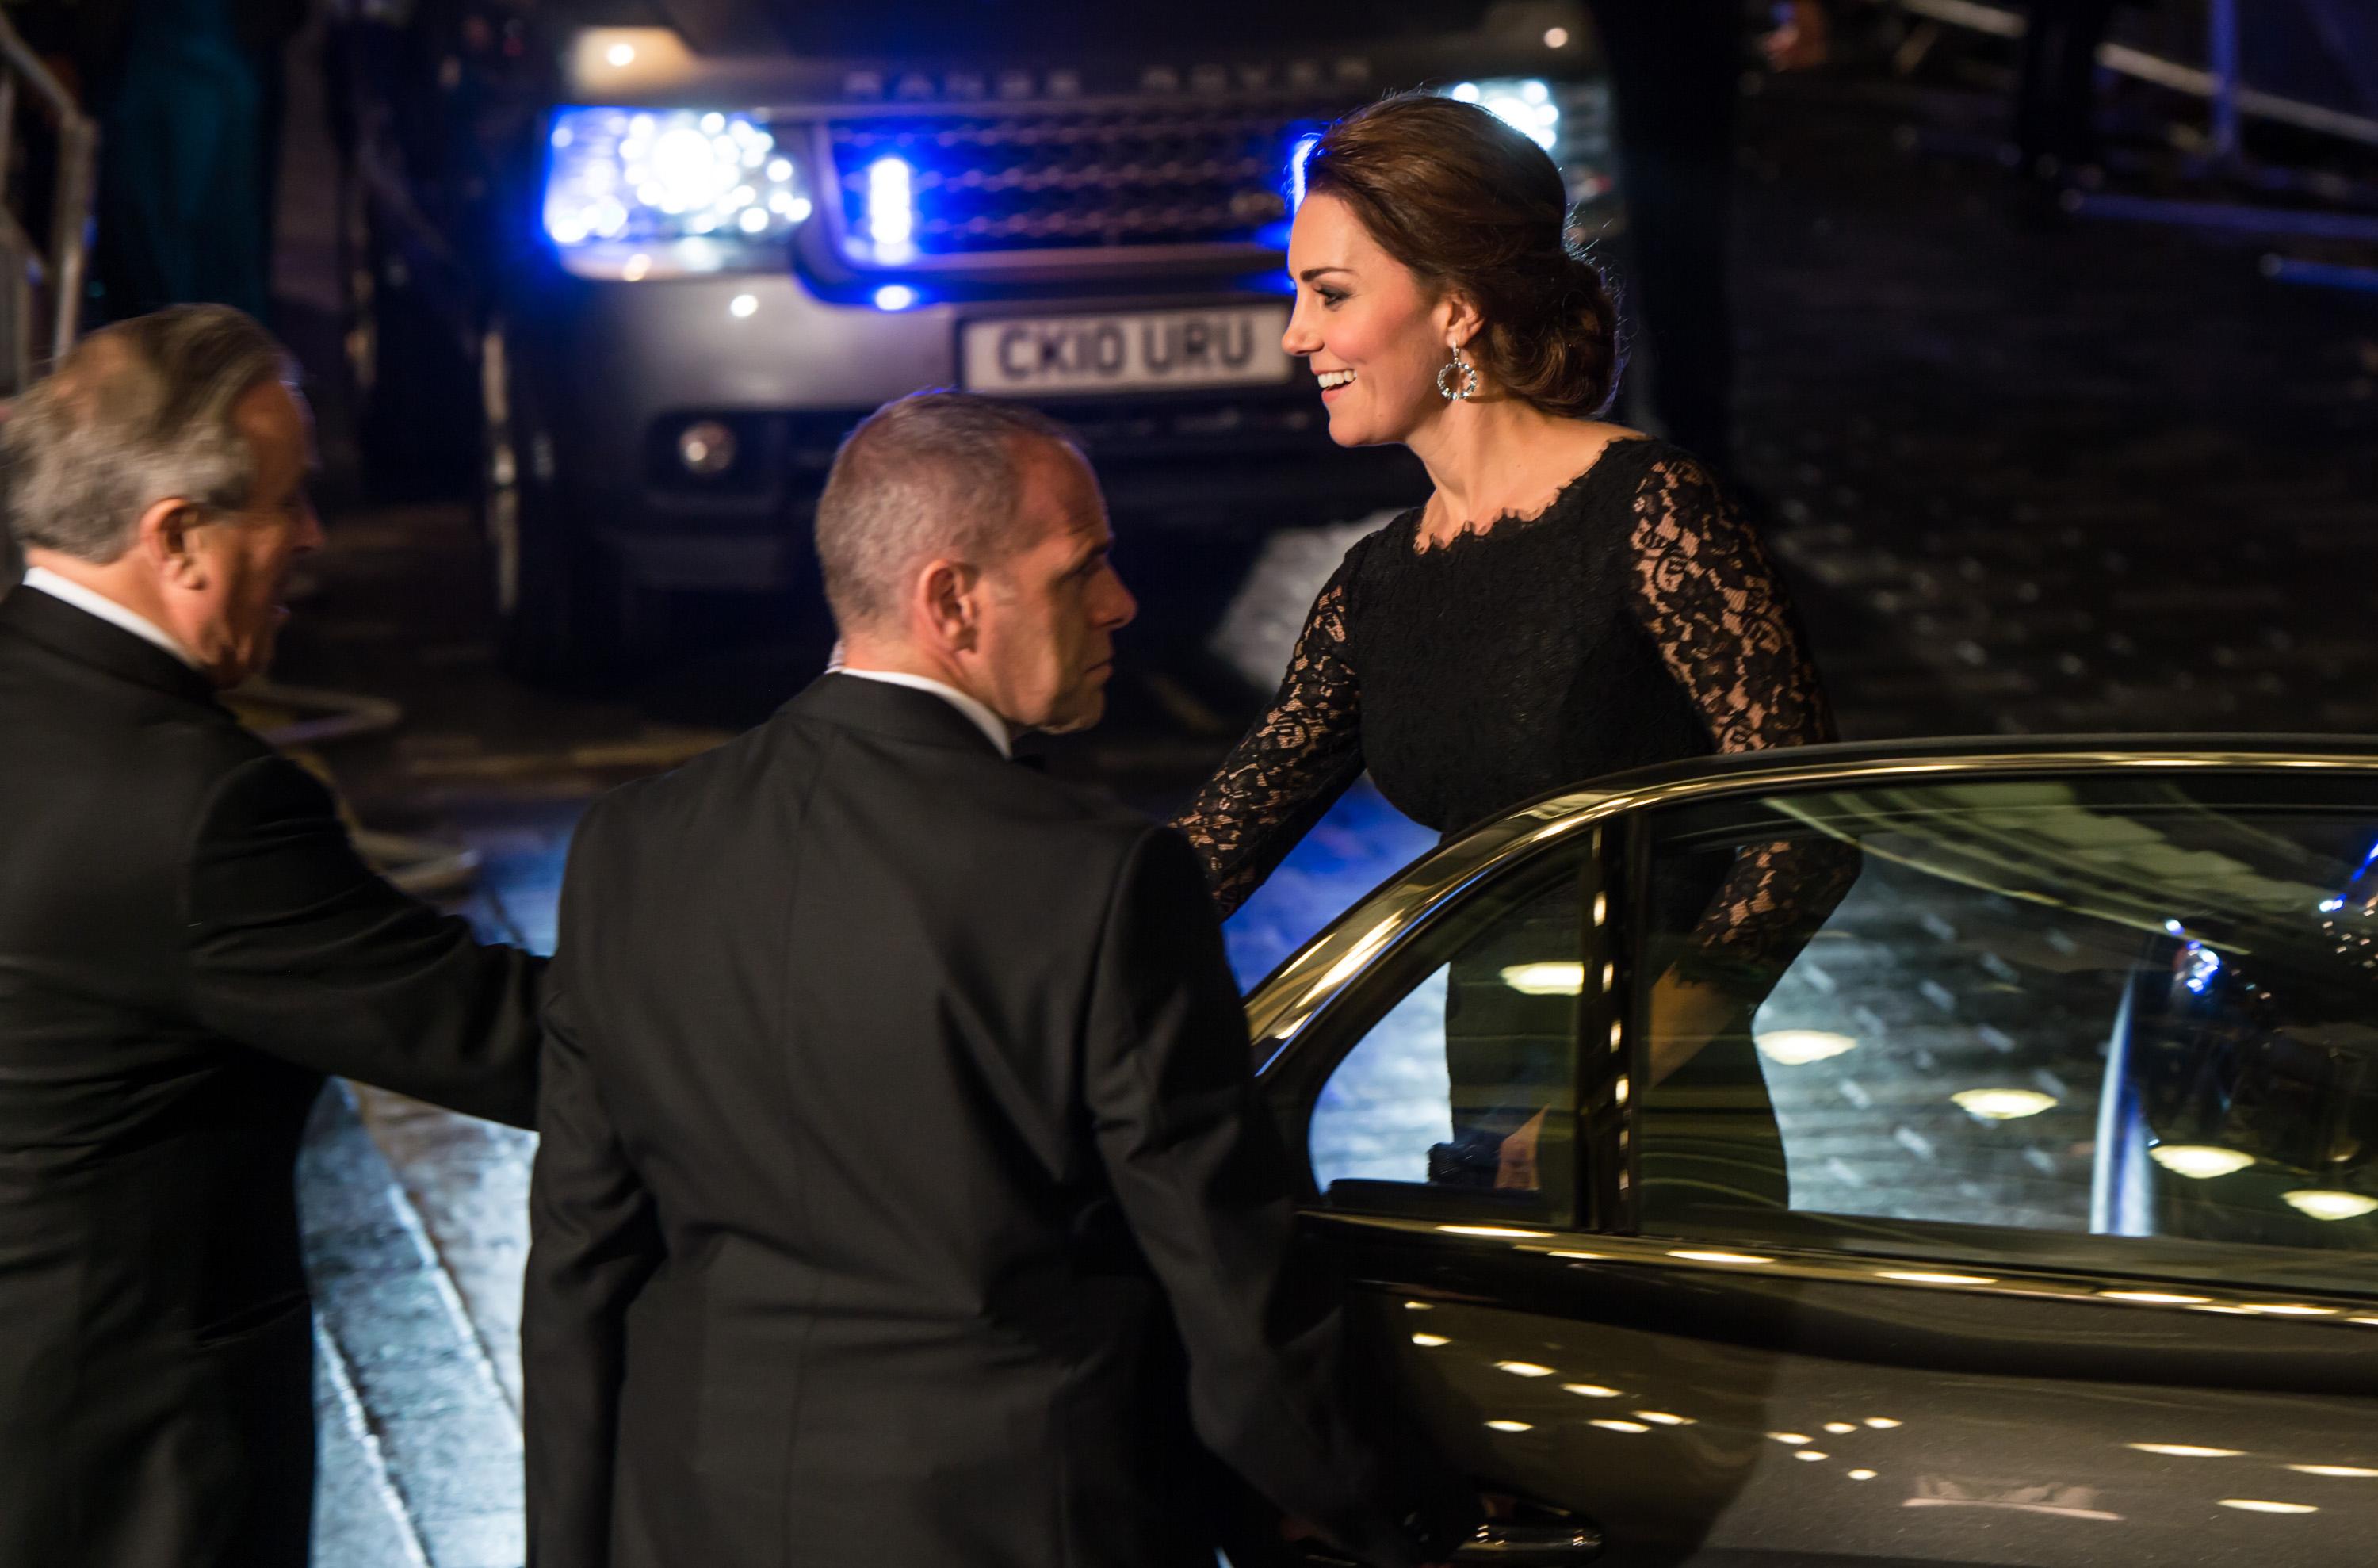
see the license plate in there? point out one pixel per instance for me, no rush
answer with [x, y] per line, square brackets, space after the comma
[1125, 351]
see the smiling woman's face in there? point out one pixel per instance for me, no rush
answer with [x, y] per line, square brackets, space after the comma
[1374, 336]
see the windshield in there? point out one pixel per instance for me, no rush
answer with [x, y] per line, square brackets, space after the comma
[1004, 26]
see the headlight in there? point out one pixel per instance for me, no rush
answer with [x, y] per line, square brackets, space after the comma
[640, 193]
[1525, 104]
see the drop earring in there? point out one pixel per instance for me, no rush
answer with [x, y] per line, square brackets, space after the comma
[1463, 376]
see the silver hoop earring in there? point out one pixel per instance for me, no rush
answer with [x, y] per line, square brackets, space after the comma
[1468, 374]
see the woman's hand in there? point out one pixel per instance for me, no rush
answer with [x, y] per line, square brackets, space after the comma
[1517, 1167]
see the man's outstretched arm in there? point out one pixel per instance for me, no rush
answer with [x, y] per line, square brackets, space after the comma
[300, 950]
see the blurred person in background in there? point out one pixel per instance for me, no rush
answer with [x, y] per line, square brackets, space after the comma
[189, 944]
[188, 96]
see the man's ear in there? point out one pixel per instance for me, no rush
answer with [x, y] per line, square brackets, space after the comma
[944, 605]
[164, 537]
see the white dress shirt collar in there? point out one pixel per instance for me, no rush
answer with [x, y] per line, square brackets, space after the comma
[42, 580]
[995, 729]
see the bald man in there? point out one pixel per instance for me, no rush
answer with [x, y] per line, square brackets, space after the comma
[898, 1135]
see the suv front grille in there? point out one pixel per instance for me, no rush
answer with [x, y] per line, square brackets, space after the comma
[1037, 180]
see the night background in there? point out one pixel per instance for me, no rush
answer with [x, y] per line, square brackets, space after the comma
[2094, 449]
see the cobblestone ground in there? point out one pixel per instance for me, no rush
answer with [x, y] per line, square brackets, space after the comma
[2098, 478]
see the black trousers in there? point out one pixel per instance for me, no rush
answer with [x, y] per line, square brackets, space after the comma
[2055, 116]
[1675, 69]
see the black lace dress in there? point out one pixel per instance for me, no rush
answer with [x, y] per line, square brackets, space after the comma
[1634, 621]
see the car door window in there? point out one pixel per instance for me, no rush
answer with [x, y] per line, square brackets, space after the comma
[1459, 1085]
[1993, 1012]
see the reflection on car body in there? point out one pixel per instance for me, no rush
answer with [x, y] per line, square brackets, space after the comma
[2028, 1213]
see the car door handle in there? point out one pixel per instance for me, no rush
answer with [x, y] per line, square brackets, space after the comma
[1536, 1543]
[1516, 1545]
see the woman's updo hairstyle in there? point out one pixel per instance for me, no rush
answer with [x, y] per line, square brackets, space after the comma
[1470, 204]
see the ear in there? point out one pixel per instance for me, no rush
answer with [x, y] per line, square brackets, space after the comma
[942, 605]
[166, 537]
[1458, 320]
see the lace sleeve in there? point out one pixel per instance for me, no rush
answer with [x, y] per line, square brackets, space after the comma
[1705, 593]
[1710, 600]
[1291, 766]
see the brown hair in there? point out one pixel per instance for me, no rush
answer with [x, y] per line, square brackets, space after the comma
[1470, 204]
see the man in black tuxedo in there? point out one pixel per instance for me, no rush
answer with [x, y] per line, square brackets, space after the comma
[187, 944]
[899, 1133]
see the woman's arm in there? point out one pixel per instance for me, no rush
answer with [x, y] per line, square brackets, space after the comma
[1292, 765]
[1710, 600]
[1708, 596]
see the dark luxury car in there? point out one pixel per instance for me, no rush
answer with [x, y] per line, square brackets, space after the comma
[651, 259]
[1959, 1155]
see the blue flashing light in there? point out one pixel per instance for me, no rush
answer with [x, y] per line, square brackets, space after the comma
[895, 296]
[892, 209]
[2330, 906]
[1297, 154]
[2175, 927]
[2203, 963]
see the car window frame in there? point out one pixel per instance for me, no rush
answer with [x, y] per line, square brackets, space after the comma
[1303, 1062]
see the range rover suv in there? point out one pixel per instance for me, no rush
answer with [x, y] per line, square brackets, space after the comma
[648, 262]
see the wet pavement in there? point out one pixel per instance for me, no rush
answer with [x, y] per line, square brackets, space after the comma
[2090, 479]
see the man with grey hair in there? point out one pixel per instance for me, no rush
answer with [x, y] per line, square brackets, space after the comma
[897, 1134]
[189, 944]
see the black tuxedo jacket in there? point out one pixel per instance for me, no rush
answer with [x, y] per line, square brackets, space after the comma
[897, 1136]
[187, 944]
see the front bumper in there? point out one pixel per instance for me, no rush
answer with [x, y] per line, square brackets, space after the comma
[615, 370]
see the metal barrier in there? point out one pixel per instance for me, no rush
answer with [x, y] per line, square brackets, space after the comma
[40, 289]
[2218, 81]
[2230, 102]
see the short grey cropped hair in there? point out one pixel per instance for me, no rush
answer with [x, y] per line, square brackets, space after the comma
[136, 412]
[933, 474]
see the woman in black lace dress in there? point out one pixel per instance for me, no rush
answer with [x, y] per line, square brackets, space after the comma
[1573, 598]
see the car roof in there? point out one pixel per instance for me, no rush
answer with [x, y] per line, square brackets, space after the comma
[1992, 752]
